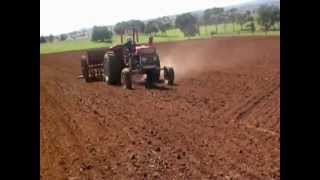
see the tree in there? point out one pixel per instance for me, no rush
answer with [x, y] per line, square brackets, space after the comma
[214, 16]
[187, 24]
[63, 37]
[232, 13]
[276, 11]
[120, 28]
[167, 23]
[50, 38]
[217, 16]
[151, 27]
[206, 19]
[123, 27]
[251, 27]
[134, 24]
[101, 33]
[163, 24]
[267, 16]
[243, 18]
[225, 19]
[42, 39]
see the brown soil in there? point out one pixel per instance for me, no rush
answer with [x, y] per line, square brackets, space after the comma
[220, 121]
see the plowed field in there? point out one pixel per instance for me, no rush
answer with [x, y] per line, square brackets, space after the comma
[220, 121]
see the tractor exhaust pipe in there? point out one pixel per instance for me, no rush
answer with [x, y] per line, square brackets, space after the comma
[133, 35]
[137, 36]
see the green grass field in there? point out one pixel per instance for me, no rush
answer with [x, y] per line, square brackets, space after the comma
[169, 36]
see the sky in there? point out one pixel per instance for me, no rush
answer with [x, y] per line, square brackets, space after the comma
[63, 16]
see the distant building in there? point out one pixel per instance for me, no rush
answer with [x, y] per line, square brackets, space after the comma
[75, 35]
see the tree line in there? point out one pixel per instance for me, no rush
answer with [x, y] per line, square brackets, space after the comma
[51, 38]
[266, 16]
[150, 27]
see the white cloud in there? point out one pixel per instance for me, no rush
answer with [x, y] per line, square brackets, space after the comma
[61, 16]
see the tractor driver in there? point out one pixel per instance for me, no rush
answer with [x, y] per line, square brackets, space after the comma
[129, 45]
[150, 40]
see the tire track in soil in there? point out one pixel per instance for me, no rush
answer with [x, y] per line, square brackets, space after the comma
[71, 137]
[242, 111]
[265, 116]
[252, 103]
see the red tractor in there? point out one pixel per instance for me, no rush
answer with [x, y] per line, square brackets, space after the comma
[118, 64]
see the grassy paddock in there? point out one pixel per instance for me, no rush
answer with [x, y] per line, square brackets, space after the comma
[169, 36]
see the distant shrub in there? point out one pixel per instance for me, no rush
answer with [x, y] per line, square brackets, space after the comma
[212, 33]
[101, 33]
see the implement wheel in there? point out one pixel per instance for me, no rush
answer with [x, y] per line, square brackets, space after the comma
[85, 70]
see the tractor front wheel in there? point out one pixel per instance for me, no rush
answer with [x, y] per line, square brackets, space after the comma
[152, 77]
[169, 75]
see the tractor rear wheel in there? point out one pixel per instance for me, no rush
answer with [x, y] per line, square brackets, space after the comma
[85, 70]
[126, 78]
[112, 69]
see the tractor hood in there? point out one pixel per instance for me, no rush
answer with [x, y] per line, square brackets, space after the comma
[145, 49]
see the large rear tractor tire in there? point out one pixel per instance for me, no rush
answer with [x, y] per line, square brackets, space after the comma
[85, 70]
[112, 69]
[126, 78]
